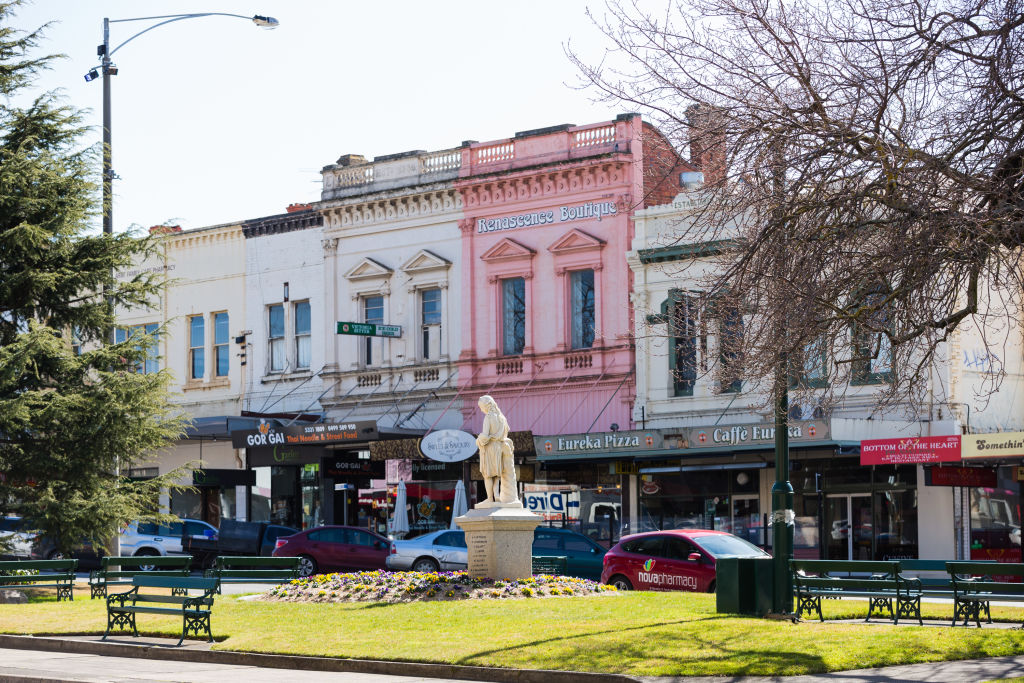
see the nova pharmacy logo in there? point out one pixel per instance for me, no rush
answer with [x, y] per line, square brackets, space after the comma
[648, 565]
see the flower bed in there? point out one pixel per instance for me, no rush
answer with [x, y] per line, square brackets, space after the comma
[381, 586]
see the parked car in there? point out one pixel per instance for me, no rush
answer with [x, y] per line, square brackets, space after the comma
[328, 548]
[446, 551]
[443, 550]
[235, 538]
[678, 559]
[16, 538]
[149, 538]
[88, 558]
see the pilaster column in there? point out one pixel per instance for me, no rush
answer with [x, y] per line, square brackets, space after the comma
[330, 310]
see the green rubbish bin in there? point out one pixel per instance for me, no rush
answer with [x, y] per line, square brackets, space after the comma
[743, 585]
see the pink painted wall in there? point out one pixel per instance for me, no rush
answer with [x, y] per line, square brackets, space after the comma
[550, 388]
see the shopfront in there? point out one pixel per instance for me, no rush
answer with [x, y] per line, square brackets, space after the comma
[296, 467]
[990, 492]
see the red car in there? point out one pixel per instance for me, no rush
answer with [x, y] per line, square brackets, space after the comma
[334, 548]
[678, 559]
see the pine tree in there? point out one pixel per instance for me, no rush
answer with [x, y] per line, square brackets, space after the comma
[73, 417]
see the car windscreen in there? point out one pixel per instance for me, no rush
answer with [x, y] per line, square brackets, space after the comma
[728, 546]
[11, 524]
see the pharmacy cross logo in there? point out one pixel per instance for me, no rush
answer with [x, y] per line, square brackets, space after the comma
[811, 429]
[648, 565]
[548, 445]
[702, 436]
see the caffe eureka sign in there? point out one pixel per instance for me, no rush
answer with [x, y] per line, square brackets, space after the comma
[448, 445]
[755, 434]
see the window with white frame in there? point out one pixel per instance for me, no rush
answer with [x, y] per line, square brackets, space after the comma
[373, 313]
[196, 347]
[430, 314]
[581, 284]
[221, 350]
[275, 335]
[302, 335]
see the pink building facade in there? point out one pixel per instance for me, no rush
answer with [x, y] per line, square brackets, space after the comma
[546, 289]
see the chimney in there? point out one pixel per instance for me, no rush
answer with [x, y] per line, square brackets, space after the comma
[351, 160]
[707, 141]
[294, 208]
[164, 229]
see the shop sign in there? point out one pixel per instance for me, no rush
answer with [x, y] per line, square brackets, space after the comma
[562, 215]
[223, 477]
[448, 445]
[370, 329]
[602, 442]
[911, 450]
[305, 435]
[995, 445]
[755, 434]
[283, 455]
[971, 477]
[345, 466]
[550, 502]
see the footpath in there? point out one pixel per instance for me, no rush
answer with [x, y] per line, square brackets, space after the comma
[133, 660]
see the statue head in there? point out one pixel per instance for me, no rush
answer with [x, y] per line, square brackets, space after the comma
[487, 404]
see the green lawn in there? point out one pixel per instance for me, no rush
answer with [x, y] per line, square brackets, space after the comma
[633, 633]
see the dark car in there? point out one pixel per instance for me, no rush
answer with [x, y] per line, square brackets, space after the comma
[584, 558]
[334, 548]
[677, 559]
[87, 556]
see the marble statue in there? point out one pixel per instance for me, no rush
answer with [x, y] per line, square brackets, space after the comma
[497, 466]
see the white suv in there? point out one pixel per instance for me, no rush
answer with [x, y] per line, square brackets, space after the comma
[148, 538]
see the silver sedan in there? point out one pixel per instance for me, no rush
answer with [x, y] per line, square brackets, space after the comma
[437, 551]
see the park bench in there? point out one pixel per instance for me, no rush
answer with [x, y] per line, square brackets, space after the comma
[241, 569]
[119, 571]
[935, 581]
[59, 574]
[194, 610]
[975, 586]
[556, 565]
[880, 582]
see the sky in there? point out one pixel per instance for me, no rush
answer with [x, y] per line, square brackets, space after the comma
[215, 120]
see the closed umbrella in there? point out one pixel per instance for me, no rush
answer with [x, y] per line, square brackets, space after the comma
[459, 505]
[400, 520]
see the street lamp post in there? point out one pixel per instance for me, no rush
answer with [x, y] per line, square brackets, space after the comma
[108, 69]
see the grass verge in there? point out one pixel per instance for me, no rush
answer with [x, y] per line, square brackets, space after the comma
[650, 634]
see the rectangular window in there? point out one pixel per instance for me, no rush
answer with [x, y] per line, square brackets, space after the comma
[872, 348]
[373, 313]
[196, 344]
[430, 302]
[276, 337]
[221, 353]
[682, 311]
[302, 335]
[513, 316]
[730, 354]
[123, 334]
[76, 341]
[582, 283]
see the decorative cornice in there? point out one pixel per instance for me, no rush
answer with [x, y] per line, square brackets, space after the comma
[330, 244]
[490, 191]
[387, 209]
[281, 223]
[680, 252]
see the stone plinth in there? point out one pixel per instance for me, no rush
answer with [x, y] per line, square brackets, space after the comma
[500, 540]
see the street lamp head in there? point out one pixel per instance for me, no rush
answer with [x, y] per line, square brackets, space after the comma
[265, 22]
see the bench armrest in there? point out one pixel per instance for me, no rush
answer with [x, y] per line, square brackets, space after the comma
[122, 597]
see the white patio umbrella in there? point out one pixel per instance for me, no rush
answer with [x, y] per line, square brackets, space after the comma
[400, 520]
[459, 505]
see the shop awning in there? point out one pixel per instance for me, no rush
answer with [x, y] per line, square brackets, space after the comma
[689, 453]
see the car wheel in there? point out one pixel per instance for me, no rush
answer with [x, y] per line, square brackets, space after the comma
[621, 583]
[55, 555]
[712, 588]
[307, 565]
[147, 553]
[426, 565]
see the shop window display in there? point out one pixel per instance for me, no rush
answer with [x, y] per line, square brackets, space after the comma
[995, 519]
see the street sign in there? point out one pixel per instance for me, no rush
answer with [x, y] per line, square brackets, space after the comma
[370, 329]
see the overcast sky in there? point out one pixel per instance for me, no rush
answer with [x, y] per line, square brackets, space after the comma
[216, 120]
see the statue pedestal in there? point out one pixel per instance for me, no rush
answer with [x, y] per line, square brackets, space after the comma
[500, 540]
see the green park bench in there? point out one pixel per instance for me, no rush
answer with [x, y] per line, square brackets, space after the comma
[556, 565]
[59, 574]
[880, 582]
[243, 569]
[975, 586]
[934, 580]
[118, 571]
[194, 610]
